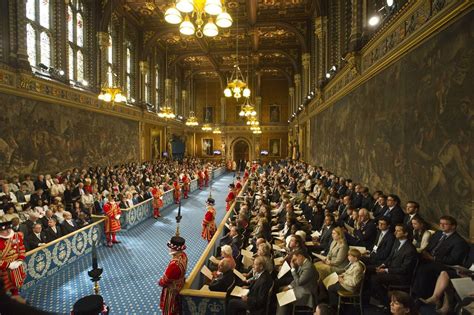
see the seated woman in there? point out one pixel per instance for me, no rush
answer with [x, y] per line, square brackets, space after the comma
[421, 234]
[10, 213]
[336, 259]
[402, 304]
[350, 280]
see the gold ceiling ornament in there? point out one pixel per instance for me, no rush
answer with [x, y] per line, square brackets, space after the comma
[199, 10]
[166, 112]
[248, 110]
[192, 120]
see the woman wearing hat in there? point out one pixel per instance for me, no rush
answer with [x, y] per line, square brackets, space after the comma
[208, 223]
[173, 278]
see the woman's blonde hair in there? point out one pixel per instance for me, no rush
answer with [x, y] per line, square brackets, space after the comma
[339, 232]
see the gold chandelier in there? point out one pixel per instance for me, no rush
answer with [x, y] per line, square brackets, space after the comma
[192, 120]
[253, 121]
[206, 127]
[248, 110]
[236, 86]
[217, 131]
[111, 94]
[256, 130]
[199, 10]
[166, 112]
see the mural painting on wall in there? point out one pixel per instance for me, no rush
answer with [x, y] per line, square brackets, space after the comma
[207, 146]
[409, 129]
[274, 113]
[155, 147]
[274, 147]
[208, 114]
[40, 137]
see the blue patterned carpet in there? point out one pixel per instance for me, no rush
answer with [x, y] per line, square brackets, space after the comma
[132, 268]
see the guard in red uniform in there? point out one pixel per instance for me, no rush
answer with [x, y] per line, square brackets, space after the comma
[12, 255]
[206, 177]
[246, 174]
[157, 201]
[186, 185]
[112, 221]
[177, 190]
[230, 197]
[208, 223]
[173, 279]
[200, 179]
[238, 185]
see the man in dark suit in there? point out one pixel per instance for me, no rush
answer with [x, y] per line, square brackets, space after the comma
[325, 239]
[234, 239]
[367, 200]
[412, 208]
[256, 299]
[36, 238]
[53, 231]
[68, 225]
[398, 268]
[365, 232]
[38, 195]
[382, 246]
[446, 248]
[379, 206]
[48, 216]
[393, 211]
[30, 223]
[225, 279]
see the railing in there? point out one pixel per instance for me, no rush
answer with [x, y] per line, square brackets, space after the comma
[48, 259]
[195, 301]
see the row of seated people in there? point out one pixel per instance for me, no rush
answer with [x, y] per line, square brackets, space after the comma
[375, 246]
[59, 205]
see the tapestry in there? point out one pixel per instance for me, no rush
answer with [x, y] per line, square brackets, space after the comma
[409, 129]
[39, 137]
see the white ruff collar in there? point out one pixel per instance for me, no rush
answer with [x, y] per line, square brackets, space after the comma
[10, 235]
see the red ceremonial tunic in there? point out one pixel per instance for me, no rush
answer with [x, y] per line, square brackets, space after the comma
[186, 182]
[177, 190]
[12, 249]
[209, 224]
[157, 201]
[112, 225]
[230, 198]
[238, 186]
[172, 282]
[206, 175]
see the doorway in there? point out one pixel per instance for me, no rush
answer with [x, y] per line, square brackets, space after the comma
[241, 151]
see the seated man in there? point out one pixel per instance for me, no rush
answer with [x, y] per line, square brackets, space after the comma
[36, 238]
[383, 246]
[53, 231]
[365, 231]
[256, 299]
[305, 281]
[68, 225]
[398, 268]
[225, 277]
[446, 247]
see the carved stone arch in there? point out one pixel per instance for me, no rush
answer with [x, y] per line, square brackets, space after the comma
[237, 141]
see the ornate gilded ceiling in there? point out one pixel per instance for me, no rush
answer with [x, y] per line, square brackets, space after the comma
[271, 34]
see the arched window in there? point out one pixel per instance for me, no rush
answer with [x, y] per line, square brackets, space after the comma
[75, 29]
[38, 35]
[157, 86]
[110, 59]
[147, 86]
[129, 72]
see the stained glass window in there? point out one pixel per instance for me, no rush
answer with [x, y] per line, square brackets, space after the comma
[44, 13]
[75, 24]
[30, 9]
[147, 87]
[157, 87]
[38, 36]
[31, 44]
[128, 72]
[45, 49]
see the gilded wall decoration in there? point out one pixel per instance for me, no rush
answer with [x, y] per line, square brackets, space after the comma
[409, 129]
[38, 137]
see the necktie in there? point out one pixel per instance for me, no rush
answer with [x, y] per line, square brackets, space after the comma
[435, 249]
[387, 212]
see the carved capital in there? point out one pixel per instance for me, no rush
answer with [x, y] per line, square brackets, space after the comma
[143, 67]
[291, 91]
[305, 60]
[353, 60]
[104, 40]
[320, 26]
[297, 78]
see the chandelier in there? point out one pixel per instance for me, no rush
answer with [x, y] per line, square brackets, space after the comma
[257, 130]
[166, 112]
[112, 94]
[253, 121]
[236, 86]
[199, 10]
[247, 109]
[217, 131]
[206, 127]
[192, 120]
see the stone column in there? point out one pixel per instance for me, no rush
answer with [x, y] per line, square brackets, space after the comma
[223, 110]
[305, 61]
[291, 100]
[168, 90]
[258, 107]
[321, 34]
[184, 100]
[104, 42]
[297, 92]
[356, 26]
[18, 53]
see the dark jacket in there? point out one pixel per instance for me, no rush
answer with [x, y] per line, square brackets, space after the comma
[32, 241]
[452, 251]
[383, 250]
[402, 260]
[258, 290]
[223, 282]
